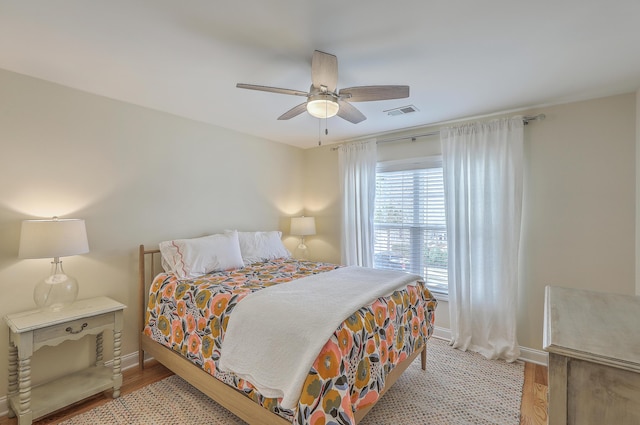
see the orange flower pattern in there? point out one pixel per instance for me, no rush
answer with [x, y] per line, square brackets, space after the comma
[350, 370]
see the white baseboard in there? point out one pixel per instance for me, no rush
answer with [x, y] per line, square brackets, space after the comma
[128, 361]
[526, 354]
[534, 356]
[441, 333]
[4, 408]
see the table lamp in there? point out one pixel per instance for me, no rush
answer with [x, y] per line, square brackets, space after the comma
[54, 238]
[303, 226]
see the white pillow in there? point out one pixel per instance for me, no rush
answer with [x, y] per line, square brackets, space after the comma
[262, 246]
[188, 258]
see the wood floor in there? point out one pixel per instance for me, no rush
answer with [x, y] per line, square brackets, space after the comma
[533, 410]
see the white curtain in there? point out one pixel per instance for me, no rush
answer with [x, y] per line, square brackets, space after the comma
[357, 162]
[483, 194]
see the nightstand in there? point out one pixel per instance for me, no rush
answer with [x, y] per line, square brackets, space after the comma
[35, 329]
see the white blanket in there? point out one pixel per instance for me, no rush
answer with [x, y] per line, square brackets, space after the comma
[274, 335]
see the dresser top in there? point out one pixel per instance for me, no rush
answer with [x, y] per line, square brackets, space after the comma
[35, 319]
[595, 326]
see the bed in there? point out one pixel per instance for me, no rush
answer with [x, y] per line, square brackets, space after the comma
[185, 317]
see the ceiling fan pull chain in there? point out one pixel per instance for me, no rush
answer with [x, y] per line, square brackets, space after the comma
[319, 134]
[326, 130]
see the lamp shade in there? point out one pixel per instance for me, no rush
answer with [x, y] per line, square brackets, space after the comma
[303, 226]
[53, 238]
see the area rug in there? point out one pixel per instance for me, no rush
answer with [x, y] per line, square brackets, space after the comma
[458, 388]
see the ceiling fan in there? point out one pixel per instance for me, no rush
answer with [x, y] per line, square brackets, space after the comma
[324, 100]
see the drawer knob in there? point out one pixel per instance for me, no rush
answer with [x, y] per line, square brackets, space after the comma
[71, 331]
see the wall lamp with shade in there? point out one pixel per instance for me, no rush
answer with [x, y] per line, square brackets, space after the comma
[54, 238]
[303, 226]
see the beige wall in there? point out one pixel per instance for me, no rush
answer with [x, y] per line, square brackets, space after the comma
[322, 201]
[579, 203]
[637, 192]
[136, 176]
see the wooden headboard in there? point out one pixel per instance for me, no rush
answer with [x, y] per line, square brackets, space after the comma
[148, 265]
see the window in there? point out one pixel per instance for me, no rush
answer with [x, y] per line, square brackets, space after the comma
[410, 231]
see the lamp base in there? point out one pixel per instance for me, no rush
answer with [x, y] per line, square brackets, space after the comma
[302, 253]
[57, 291]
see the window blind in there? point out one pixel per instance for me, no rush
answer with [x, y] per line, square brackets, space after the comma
[409, 224]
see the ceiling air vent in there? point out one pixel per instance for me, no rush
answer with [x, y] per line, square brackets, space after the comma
[401, 110]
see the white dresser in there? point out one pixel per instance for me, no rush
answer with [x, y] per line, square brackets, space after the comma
[593, 340]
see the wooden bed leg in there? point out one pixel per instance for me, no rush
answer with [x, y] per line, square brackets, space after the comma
[423, 357]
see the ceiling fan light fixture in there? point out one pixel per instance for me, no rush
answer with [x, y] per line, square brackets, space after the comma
[322, 106]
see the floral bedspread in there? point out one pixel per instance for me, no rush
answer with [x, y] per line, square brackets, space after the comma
[191, 316]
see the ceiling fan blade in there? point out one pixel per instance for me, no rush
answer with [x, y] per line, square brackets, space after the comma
[324, 70]
[369, 93]
[294, 112]
[350, 113]
[272, 89]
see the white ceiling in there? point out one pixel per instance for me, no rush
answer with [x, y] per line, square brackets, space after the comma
[460, 58]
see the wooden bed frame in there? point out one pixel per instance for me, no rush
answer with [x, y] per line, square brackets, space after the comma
[227, 396]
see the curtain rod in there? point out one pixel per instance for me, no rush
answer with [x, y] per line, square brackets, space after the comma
[526, 120]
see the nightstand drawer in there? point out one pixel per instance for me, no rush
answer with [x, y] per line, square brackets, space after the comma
[75, 328]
